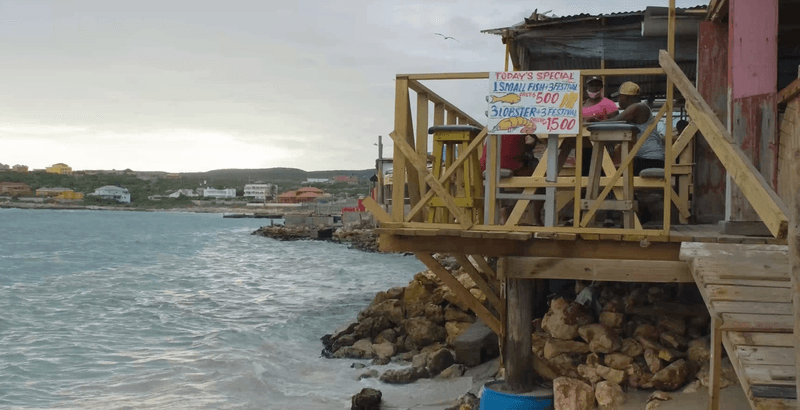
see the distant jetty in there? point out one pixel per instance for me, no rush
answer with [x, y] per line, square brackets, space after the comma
[361, 239]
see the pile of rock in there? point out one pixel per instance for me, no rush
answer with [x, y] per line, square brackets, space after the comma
[623, 335]
[361, 239]
[420, 325]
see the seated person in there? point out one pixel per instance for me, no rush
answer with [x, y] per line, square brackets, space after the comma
[595, 108]
[637, 112]
[516, 154]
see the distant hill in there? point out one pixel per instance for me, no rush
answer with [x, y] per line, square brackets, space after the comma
[273, 174]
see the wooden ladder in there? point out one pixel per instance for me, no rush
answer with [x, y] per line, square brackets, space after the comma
[748, 292]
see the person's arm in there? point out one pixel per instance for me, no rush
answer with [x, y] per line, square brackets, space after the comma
[629, 115]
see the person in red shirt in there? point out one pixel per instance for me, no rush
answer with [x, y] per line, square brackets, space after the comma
[516, 154]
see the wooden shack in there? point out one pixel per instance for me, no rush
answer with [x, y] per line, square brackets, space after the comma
[742, 135]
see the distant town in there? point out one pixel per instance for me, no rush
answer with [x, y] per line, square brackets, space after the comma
[60, 184]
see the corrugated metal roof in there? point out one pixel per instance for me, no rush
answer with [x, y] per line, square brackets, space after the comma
[538, 20]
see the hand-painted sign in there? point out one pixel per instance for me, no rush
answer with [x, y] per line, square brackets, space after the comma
[528, 102]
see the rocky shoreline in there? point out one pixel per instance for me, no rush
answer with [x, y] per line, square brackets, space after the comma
[596, 343]
[362, 239]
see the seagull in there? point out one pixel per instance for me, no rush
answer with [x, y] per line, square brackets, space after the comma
[446, 37]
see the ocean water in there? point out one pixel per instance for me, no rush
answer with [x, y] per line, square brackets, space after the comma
[135, 310]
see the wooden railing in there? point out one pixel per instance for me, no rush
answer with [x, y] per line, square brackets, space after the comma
[411, 157]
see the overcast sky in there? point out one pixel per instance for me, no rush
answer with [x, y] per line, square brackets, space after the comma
[179, 85]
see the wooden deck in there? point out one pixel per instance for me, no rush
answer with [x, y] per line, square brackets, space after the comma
[747, 289]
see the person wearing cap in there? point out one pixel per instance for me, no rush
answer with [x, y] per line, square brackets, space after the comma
[597, 107]
[638, 113]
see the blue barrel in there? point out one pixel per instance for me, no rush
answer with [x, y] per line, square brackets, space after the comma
[492, 399]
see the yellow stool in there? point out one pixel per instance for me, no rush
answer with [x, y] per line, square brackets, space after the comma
[612, 133]
[467, 189]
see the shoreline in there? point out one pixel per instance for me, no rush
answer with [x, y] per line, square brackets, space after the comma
[37, 206]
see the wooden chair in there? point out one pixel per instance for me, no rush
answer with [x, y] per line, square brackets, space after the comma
[612, 133]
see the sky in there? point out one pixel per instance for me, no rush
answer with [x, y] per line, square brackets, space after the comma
[197, 85]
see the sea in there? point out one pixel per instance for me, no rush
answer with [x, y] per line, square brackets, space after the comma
[169, 310]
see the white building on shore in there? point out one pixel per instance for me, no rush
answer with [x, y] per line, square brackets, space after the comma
[113, 192]
[183, 192]
[220, 193]
[261, 192]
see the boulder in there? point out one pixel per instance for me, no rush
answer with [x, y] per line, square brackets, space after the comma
[439, 360]
[670, 355]
[538, 341]
[345, 340]
[422, 332]
[699, 352]
[631, 348]
[564, 366]
[637, 376]
[367, 399]
[371, 327]
[609, 396]
[366, 346]
[589, 373]
[572, 394]
[592, 359]
[601, 338]
[385, 349]
[612, 375]
[454, 330]
[646, 331]
[612, 319]
[381, 361]
[557, 324]
[672, 376]
[618, 361]
[727, 378]
[435, 314]
[369, 374]
[653, 362]
[456, 370]
[420, 360]
[391, 309]
[454, 314]
[675, 325]
[673, 340]
[404, 376]
[349, 352]
[417, 295]
[649, 344]
[555, 347]
[692, 387]
[395, 293]
[386, 336]
[476, 345]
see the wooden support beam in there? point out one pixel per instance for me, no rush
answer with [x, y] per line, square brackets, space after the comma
[380, 215]
[761, 196]
[436, 98]
[687, 135]
[788, 93]
[398, 158]
[715, 368]
[537, 247]
[517, 350]
[449, 172]
[482, 285]
[621, 270]
[484, 266]
[460, 291]
[421, 167]
[794, 269]
[422, 138]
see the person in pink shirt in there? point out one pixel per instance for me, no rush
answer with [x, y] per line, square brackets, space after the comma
[597, 107]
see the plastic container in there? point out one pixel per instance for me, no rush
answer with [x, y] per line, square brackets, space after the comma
[538, 399]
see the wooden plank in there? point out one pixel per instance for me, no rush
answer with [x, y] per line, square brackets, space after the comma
[541, 248]
[794, 258]
[733, 267]
[774, 391]
[774, 404]
[421, 167]
[484, 266]
[449, 172]
[398, 159]
[622, 166]
[569, 182]
[380, 215]
[422, 138]
[622, 72]
[761, 339]
[770, 374]
[460, 291]
[765, 355]
[599, 269]
[788, 93]
[716, 280]
[757, 191]
[747, 293]
[687, 135]
[482, 285]
[745, 322]
[447, 76]
[759, 308]
[715, 368]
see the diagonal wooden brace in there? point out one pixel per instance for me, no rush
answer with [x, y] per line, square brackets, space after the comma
[419, 164]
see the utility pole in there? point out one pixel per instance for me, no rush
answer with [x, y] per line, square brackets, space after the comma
[379, 195]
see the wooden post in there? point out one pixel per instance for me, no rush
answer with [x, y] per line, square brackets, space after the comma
[794, 263]
[715, 367]
[518, 353]
[668, 160]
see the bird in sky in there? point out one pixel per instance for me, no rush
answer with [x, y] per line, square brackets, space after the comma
[446, 37]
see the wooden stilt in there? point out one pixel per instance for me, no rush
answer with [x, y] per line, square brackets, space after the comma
[794, 263]
[715, 368]
[518, 353]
